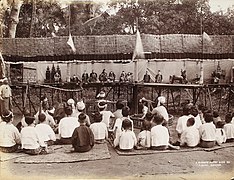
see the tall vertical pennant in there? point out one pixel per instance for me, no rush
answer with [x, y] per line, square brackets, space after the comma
[71, 43]
[138, 51]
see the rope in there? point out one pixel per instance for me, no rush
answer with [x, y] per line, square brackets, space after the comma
[61, 89]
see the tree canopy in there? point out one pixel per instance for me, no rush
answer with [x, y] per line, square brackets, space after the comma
[40, 18]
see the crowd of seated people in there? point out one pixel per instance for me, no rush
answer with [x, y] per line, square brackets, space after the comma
[195, 127]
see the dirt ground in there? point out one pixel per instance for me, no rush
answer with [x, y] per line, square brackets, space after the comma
[218, 164]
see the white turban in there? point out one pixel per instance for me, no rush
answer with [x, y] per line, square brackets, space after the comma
[161, 100]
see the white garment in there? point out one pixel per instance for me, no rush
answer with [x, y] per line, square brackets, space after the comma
[118, 125]
[161, 110]
[45, 132]
[182, 123]
[118, 113]
[49, 119]
[229, 130]
[106, 115]
[220, 136]
[159, 136]
[67, 126]
[76, 115]
[126, 140]
[144, 138]
[190, 136]
[30, 138]
[198, 121]
[99, 130]
[207, 131]
[9, 135]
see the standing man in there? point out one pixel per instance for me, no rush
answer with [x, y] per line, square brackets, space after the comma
[5, 96]
[146, 78]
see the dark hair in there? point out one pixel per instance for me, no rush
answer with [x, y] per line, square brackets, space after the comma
[7, 116]
[186, 110]
[158, 119]
[29, 119]
[97, 117]
[194, 111]
[208, 117]
[148, 116]
[215, 114]
[68, 110]
[146, 125]
[42, 117]
[228, 118]
[126, 124]
[190, 121]
[82, 117]
[220, 124]
[119, 104]
[125, 111]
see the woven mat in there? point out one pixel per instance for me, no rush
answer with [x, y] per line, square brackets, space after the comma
[10, 156]
[64, 154]
[182, 149]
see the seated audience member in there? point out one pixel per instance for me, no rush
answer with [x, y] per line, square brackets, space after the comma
[159, 134]
[201, 111]
[67, 126]
[118, 112]
[99, 129]
[71, 102]
[49, 119]
[106, 115]
[148, 119]
[82, 137]
[80, 106]
[220, 133]
[32, 142]
[117, 129]
[182, 121]
[161, 109]
[45, 131]
[144, 137]
[190, 136]
[207, 131]
[9, 134]
[229, 128]
[216, 117]
[126, 140]
[145, 108]
[195, 114]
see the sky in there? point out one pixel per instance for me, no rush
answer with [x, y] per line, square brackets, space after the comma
[216, 5]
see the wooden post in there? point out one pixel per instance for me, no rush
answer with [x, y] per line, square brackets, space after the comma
[135, 98]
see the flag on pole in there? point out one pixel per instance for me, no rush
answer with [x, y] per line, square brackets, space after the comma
[138, 51]
[207, 38]
[71, 43]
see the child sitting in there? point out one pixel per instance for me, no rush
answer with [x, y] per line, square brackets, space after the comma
[32, 142]
[82, 137]
[229, 128]
[143, 138]
[67, 126]
[99, 129]
[220, 133]
[9, 134]
[207, 131]
[106, 115]
[126, 140]
[160, 135]
[216, 117]
[194, 112]
[148, 119]
[45, 131]
[190, 136]
[117, 129]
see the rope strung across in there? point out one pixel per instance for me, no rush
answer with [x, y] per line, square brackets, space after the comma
[61, 89]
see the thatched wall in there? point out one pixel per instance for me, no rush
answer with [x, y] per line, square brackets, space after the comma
[114, 44]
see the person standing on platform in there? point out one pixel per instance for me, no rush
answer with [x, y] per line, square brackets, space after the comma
[5, 96]
[146, 78]
[93, 77]
[85, 77]
[159, 77]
